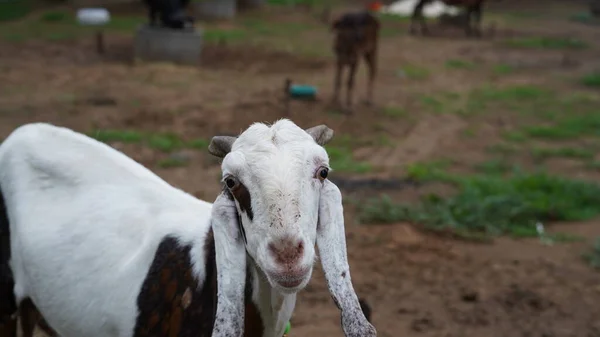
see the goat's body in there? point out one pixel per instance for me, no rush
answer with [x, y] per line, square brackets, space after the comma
[121, 265]
[356, 36]
[473, 9]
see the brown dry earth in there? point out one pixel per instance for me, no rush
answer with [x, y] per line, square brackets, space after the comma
[416, 283]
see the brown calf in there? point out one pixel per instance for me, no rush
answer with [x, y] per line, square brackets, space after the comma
[356, 35]
[473, 8]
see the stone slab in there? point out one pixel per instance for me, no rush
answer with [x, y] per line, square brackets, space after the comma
[159, 44]
[216, 9]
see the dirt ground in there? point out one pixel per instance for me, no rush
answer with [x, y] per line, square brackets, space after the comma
[418, 284]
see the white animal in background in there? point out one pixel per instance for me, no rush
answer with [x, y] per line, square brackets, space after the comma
[102, 247]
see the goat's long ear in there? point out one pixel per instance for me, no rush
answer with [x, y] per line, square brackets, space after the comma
[230, 254]
[321, 134]
[220, 146]
[331, 242]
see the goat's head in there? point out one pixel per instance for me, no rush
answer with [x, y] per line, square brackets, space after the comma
[275, 175]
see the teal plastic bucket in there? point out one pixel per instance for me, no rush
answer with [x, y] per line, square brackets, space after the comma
[303, 91]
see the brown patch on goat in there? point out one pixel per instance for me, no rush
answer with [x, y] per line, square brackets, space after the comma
[170, 302]
[161, 300]
[356, 35]
[473, 8]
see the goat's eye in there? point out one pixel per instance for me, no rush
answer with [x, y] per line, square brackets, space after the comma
[322, 173]
[231, 182]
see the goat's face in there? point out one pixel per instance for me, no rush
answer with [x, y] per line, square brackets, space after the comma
[275, 175]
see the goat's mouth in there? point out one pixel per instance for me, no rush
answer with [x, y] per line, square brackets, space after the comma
[290, 282]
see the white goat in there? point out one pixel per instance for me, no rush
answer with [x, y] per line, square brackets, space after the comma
[102, 247]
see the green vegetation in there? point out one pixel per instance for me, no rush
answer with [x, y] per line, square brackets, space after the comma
[494, 166]
[414, 72]
[13, 9]
[459, 64]
[165, 142]
[591, 80]
[503, 69]
[547, 43]
[61, 24]
[124, 136]
[172, 162]
[564, 152]
[341, 158]
[593, 257]
[394, 111]
[489, 205]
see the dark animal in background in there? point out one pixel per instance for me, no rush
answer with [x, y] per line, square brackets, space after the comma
[356, 35]
[473, 10]
[170, 12]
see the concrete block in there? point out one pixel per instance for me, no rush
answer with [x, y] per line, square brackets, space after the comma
[159, 44]
[216, 9]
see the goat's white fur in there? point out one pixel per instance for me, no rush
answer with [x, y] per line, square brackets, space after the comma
[86, 221]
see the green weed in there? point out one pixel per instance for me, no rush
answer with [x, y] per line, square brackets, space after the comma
[494, 166]
[124, 136]
[593, 257]
[166, 142]
[503, 69]
[414, 72]
[547, 43]
[172, 162]
[494, 205]
[341, 160]
[459, 64]
[591, 80]
[428, 171]
[564, 152]
[394, 111]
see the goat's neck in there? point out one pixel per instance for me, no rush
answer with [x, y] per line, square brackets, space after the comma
[275, 308]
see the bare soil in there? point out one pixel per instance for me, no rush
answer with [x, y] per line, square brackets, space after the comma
[417, 284]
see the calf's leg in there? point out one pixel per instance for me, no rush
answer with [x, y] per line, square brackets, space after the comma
[371, 61]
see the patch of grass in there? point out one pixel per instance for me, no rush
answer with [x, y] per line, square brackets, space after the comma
[433, 103]
[494, 205]
[59, 25]
[502, 148]
[166, 142]
[199, 144]
[54, 16]
[591, 80]
[224, 35]
[414, 72]
[124, 136]
[394, 111]
[469, 132]
[341, 160]
[526, 98]
[172, 162]
[547, 43]
[564, 237]
[428, 171]
[593, 257]
[459, 64]
[502, 69]
[515, 136]
[564, 152]
[494, 166]
[13, 9]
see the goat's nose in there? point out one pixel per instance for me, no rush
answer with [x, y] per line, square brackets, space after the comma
[287, 251]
